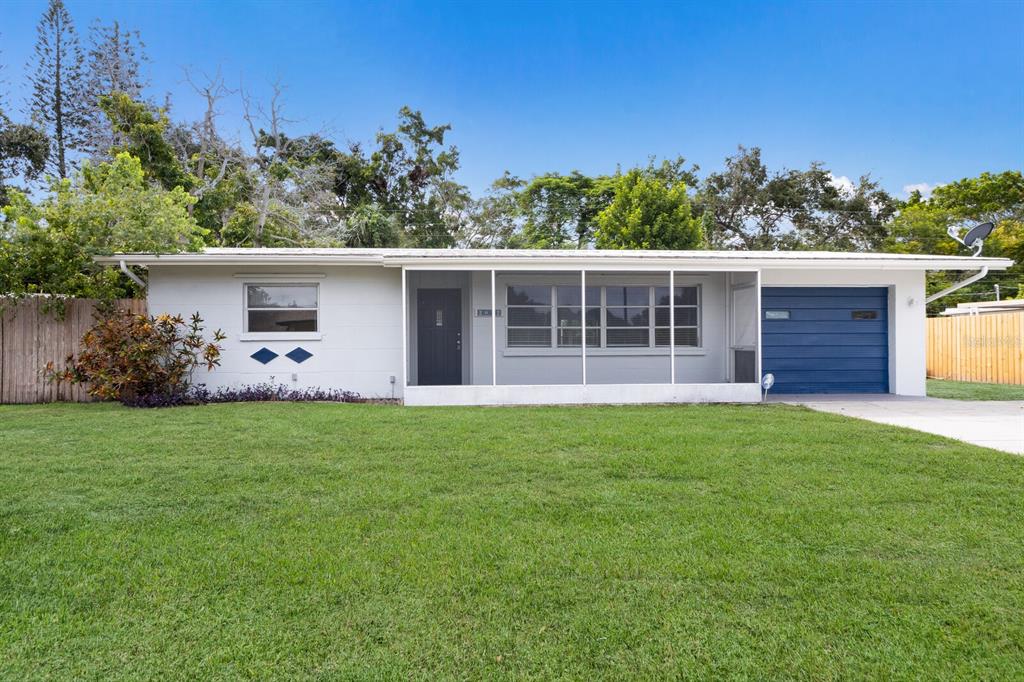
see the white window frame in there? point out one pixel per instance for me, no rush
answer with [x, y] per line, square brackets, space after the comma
[651, 346]
[283, 335]
[552, 314]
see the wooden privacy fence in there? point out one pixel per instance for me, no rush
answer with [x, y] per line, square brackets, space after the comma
[987, 348]
[30, 337]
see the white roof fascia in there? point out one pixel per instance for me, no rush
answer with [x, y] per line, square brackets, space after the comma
[446, 259]
[614, 266]
[233, 259]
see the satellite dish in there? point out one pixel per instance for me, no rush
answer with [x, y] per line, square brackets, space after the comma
[978, 233]
[975, 237]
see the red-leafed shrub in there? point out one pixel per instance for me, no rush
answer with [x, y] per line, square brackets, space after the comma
[139, 359]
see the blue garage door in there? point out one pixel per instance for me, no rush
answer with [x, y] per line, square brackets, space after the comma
[826, 340]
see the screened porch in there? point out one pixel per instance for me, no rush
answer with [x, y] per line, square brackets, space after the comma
[505, 336]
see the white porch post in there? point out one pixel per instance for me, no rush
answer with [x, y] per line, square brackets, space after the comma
[671, 323]
[405, 333]
[583, 322]
[494, 333]
[757, 331]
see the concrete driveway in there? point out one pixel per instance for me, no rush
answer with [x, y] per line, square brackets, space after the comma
[993, 424]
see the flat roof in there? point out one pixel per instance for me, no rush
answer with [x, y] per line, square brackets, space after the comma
[549, 259]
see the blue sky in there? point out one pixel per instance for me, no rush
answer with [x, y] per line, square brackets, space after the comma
[910, 92]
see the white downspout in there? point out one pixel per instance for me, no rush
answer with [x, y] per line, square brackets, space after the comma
[959, 285]
[131, 275]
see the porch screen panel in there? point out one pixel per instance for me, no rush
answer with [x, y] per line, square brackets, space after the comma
[569, 311]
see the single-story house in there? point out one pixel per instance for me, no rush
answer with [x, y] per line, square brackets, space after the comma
[466, 326]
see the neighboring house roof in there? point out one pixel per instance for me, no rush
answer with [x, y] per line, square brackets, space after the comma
[985, 307]
[550, 259]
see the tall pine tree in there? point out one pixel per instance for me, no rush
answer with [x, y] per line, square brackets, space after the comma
[114, 65]
[58, 102]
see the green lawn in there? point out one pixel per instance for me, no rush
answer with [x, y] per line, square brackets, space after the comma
[379, 542]
[968, 390]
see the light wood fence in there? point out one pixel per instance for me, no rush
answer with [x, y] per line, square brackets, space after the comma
[987, 348]
[30, 337]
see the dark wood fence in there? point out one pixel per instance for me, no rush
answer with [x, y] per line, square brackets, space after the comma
[30, 337]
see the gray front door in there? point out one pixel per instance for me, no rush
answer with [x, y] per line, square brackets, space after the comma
[439, 337]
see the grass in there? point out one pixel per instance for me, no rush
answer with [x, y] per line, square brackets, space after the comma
[969, 390]
[321, 541]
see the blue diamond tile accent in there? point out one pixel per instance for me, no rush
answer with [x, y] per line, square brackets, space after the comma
[263, 355]
[299, 354]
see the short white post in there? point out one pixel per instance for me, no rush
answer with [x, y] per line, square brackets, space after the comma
[405, 333]
[672, 323]
[583, 322]
[494, 333]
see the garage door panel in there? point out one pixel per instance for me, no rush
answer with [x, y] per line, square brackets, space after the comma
[837, 363]
[829, 314]
[827, 292]
[845, 387]
[831, 376]
[846, 326]
[824, 303]
[770, 352]
[821, 347]
[806, 339]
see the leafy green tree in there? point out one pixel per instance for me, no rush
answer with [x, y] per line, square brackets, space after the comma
[748, 207]
[560, 211]
[369, 227]
[403, 191]
[412, 176]
[113, 209]
[248, 226]
[35, 259]
[921, 225]
[673, 171]
[140, 131]
[495, 219]
[23, 153]
[990, 196]
[335, 190]
[841, 217]
[59, 101]
[48, 247]
[648, 213]
[350, 176]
